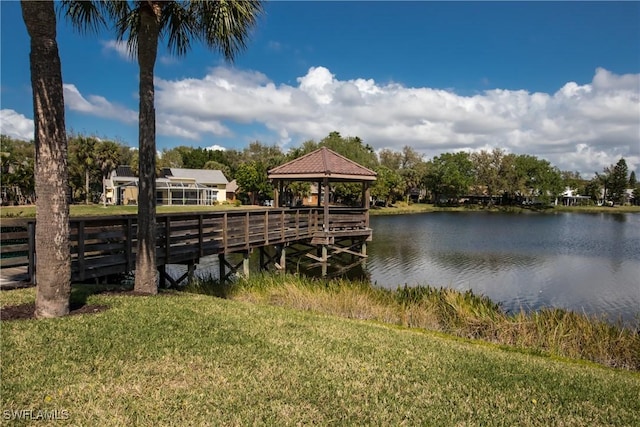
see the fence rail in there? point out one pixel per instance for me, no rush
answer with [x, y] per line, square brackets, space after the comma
[105, 245]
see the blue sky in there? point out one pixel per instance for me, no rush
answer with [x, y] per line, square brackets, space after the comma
[559, 80]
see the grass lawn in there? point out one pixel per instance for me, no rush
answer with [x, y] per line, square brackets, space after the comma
[95, 210]
[187, 359]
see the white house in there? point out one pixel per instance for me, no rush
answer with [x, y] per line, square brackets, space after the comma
[176, 186]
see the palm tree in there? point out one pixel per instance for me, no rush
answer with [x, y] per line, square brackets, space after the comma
[223, 26]
[82, 150]
[53, 265]
[107, 155]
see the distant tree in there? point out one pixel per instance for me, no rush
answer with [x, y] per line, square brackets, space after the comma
[488, 172]
[107, 159]
[299, 190]
[619, 181]
[251, 178]
[82, 161]
[390, 159]
[532, 178]
[17, 170]
[170, 159]
[126, 154]
[571, 180]
[449, 176]
[353, 148]
[593, 189]
[306, 148]
[633, 184]
[269, 156]
[410, 158]
[388, 185]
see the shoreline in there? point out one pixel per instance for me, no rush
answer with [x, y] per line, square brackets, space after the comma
[400, 208]
[418, 208]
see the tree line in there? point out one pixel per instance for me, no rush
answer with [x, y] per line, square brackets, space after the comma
[491, 177]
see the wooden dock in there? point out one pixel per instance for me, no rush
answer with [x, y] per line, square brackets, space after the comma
[106, 245]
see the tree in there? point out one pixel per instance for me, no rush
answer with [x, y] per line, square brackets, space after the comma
[252, 180]
[449, 176]
[17, 170]
[352, 148]
[82, 158]
[223, 26]
[53, 263]
[390, 159]
[107, 155]
[619, 181]
[487, 167]
[170, 159]
[388, 185]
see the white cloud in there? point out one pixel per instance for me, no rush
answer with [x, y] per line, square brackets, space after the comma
[216, 147]
[96, 105]
[580, 127]
[120, 48]
[16, 125]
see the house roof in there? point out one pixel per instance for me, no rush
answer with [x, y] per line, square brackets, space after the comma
[232, 187]
[322, 163]
[202, 176]
[124, 170]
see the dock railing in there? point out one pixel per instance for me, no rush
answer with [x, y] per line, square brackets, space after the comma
[106, 245]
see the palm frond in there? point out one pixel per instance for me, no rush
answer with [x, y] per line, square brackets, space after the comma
[126, 23]
[85, 16]
[178, 23]
[225, 25]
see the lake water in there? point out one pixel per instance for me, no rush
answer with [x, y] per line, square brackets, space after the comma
[587, 263]
[583, 262]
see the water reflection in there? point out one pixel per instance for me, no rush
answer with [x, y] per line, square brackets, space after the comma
[587, 263]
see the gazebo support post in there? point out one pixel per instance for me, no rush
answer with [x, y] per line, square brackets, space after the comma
[276, 193]
[325, 194]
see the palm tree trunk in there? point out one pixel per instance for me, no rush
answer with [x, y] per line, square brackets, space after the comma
[146, 273]
[53, 265]
[86, 185]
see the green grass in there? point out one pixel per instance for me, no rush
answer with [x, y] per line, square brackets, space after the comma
[190, 359]
[555, 332]
[96, 210]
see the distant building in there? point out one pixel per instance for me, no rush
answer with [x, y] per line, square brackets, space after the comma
[175, 186]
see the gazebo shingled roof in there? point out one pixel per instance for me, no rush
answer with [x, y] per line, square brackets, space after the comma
[322, 163]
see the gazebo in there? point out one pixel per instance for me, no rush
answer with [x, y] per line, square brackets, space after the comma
[341, 229]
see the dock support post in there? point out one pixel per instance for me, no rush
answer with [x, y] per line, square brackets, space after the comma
[283, 260]
[262, 258]
[162, 276]
[363, 251]
[221, 264]
[325, 260]
[245, 264]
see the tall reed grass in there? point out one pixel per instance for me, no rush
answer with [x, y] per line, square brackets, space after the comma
[552, 331]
